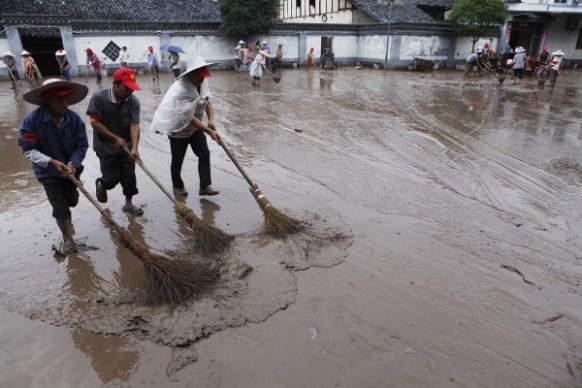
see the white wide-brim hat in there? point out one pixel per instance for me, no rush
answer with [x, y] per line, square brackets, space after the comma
[60, 53]
[520, 50]
[34, 96]
[241, 42]
[24, 52]
[8, 54]
[558, 53]
[196, 63]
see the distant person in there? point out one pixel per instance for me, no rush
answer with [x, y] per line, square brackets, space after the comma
[278, 57]
[175, 64]
[30, 68]
[64, 65]
[54, 138]
[123, 57]
[248, 58]
[257, 68]
[544, 60]
[257, 47]
[180, 115]
[519, 63]
[10, 63]
[114, 114]
[94, 61]
[265, 47]
[556, 62]
[472, 61]
[153, 63]
[238, 56]
[310, 58]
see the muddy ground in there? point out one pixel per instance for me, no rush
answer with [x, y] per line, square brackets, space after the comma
[443, 246]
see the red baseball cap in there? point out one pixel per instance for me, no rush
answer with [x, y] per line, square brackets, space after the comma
[151, 48]
[203, 72]
[127, 76]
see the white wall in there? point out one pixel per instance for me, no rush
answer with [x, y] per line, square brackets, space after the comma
[559, 38]
[373, 47]
[137, 47]
[433, 48]
[464, 46]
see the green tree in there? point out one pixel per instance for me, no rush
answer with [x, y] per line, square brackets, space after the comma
[474, 19]
[248, 17]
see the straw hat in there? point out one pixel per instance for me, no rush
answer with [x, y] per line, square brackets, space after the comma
[196, 63]
[34, 96]
[558, 53]
[60, 52]
[24, 53]
[8, 54]
[520, 50]
[265, 53]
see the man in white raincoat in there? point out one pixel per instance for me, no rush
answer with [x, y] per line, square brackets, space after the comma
[180, 116]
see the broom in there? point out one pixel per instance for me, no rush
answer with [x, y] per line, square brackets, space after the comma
[274, 77]
[167, 281]
[208, 238]
[276, 223]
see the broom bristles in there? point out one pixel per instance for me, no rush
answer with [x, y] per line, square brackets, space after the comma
[170, 281]
[176, 281]
[279, 224]
[276, 223]
[208, 238]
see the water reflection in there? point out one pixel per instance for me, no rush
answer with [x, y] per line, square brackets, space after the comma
[110, 357]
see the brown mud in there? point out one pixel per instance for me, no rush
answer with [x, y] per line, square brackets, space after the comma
[443, 244]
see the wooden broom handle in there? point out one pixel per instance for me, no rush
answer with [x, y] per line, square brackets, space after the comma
[244, 174]
[152, 176]
[103, 212]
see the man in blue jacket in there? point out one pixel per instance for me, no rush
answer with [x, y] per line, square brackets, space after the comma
[54, 138]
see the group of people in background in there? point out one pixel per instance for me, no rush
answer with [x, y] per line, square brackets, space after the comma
[254, 59]
[547, 66]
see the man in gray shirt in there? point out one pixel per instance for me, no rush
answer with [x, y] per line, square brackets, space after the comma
[114, 115]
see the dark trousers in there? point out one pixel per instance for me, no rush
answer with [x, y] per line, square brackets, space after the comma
[116, 169]
[62, 195]
[179, 146]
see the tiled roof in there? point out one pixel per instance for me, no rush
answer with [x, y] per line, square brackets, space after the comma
[128, 10]
[409, 11]
[192, 11]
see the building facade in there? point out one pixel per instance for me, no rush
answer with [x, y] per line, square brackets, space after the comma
[387, 33]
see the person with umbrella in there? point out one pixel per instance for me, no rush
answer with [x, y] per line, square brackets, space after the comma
[54, 138]
[180, 115]
[175, 63]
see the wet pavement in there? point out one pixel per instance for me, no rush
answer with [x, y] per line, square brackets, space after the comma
[443, 247]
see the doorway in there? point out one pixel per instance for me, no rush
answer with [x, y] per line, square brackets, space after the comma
[43, 49]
